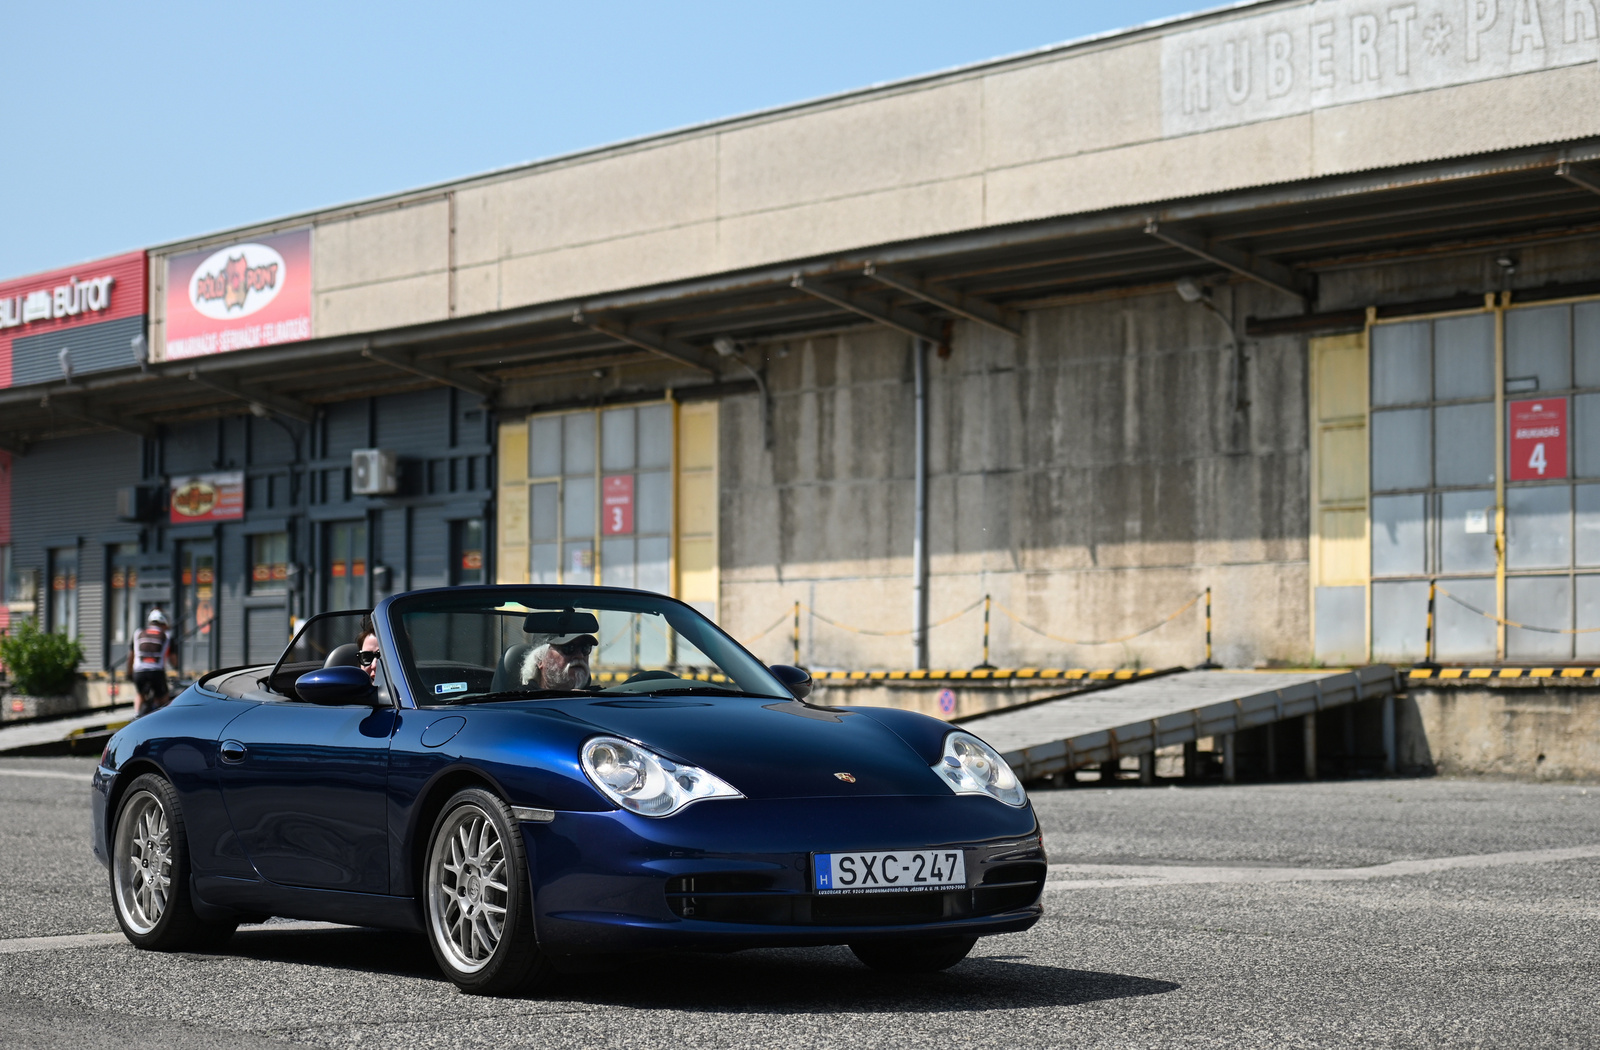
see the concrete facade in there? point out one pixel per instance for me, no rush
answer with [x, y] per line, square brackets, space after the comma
[1527, 729]
[1063, 131]
[1093, 477]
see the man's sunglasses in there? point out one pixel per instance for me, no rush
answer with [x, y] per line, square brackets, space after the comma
[368, 656]
[577, 647]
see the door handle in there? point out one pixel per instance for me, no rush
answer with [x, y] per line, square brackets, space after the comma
[232, 751]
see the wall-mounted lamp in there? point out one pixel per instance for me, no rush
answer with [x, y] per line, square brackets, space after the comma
[1192, 291]
[729, 348]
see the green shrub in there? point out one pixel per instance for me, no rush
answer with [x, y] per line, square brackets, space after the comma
[40, 663]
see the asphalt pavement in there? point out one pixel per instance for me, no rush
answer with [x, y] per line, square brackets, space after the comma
[1372, 913]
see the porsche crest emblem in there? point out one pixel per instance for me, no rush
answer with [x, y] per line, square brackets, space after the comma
[848, 778]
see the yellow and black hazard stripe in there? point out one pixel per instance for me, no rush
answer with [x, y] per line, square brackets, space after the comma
[984, 673]
[1503, 672]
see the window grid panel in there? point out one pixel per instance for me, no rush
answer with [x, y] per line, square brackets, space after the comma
[1539, 601]
[1402, 449]
[1465, 526]
[1401, 364]
[1539, 349]
[576, 452]
[1463, 357]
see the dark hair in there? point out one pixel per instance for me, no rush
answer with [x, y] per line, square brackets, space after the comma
[366, 629]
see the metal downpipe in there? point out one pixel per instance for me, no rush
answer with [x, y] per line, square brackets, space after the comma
[919, 540]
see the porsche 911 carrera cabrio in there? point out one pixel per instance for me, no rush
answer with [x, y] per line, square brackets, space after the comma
[536, 778]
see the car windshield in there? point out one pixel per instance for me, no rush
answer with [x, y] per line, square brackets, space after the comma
[472, 645]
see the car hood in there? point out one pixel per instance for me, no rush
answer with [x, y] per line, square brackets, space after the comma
[767, 748]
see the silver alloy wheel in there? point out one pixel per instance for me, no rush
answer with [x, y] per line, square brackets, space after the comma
[142, 862]
[467, 891]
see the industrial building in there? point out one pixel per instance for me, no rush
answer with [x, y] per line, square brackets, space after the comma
[1298, 301]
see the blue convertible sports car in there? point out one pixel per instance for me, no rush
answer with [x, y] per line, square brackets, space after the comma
[532, 775]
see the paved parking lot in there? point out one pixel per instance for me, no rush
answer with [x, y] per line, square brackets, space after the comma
[1404, 913]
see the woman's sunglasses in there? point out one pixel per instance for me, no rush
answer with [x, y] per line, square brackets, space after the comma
[368, 656]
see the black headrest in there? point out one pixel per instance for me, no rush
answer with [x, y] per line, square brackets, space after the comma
[508, 672]
[346, 655]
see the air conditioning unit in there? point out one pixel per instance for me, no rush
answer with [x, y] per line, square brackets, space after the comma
[374, 472]
[141, 502]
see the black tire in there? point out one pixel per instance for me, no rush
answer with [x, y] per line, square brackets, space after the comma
[468, 883]
[150, 873]
[914, 956]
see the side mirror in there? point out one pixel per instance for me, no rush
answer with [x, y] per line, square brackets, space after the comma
[336, 686]
[796, 679]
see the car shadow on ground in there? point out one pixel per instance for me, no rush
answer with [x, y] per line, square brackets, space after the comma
[799, 980]
[350, 948]
[831, 980]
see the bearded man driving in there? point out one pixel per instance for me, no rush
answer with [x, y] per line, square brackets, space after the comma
[560, 662]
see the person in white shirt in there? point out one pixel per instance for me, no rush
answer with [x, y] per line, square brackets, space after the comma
[149, 658]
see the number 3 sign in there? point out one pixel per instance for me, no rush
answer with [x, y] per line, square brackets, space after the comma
[1538, 439]
[616, 505]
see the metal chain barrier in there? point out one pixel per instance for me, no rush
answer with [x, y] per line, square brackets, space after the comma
[889, 634]
[987, 602]
[1511, 623]
[1185, 607]
[753, 639]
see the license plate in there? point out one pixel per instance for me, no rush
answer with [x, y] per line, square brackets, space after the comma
[900, 871]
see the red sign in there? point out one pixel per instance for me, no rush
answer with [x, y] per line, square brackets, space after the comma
[254, 293]
[207, 497]
[1538, 439]
[57, 306]
[616, 505]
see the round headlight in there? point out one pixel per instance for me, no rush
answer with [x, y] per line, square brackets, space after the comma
[972, 767]
[641, 781]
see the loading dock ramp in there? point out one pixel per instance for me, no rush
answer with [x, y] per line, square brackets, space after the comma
[1058, 736]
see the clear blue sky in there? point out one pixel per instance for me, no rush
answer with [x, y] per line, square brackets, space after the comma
[131, 124]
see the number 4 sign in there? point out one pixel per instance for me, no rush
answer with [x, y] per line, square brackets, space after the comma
[616, 505]
[1538, 443]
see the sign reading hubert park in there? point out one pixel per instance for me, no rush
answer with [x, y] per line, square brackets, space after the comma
[1331, 52]
[244, 295]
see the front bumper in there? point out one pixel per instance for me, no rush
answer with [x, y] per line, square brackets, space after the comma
[724, 875]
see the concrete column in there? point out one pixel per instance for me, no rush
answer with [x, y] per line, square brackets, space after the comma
[1309, 726]
[1147, 768]
[1230, 763]
[1109, 770]
[919, 535]
[1271, 735]
[1191, 761]
[1390, 750]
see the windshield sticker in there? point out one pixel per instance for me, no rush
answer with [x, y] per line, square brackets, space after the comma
[449, 687]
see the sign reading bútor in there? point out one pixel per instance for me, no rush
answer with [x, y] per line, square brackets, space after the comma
[249, 294]
[65, 300]
[1333, 52]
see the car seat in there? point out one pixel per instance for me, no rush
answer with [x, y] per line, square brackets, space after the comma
[346, 655]
[508, 673]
